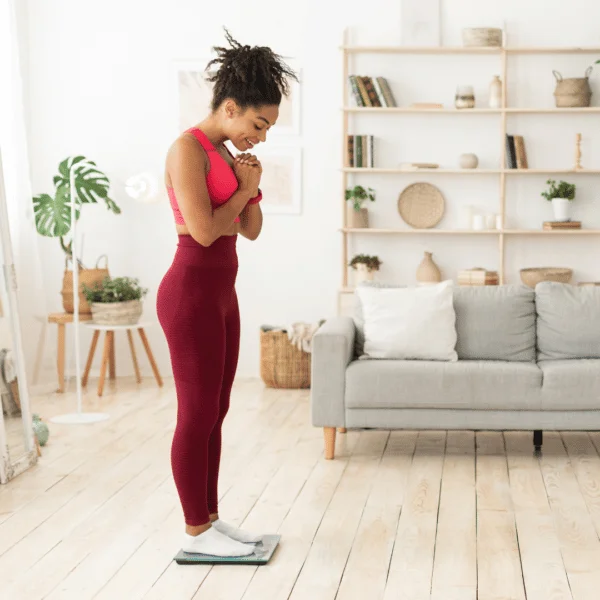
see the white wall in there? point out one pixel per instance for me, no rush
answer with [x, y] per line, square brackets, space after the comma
[100, 84]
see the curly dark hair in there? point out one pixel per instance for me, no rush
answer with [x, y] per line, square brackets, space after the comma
[252, 76]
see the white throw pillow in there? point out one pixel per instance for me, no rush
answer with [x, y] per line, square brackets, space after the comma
[409, 323]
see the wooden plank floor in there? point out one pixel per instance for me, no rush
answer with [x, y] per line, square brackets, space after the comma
[433, 515]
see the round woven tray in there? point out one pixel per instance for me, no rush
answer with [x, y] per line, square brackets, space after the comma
[421, 205]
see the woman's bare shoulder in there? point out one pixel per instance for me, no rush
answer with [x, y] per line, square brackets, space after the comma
[185, 153]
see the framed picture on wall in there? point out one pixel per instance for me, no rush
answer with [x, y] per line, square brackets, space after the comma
[290, 111]
[192, 90]
[420, 22]
[281, 182]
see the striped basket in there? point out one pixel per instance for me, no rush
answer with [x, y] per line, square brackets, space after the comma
[282, 365]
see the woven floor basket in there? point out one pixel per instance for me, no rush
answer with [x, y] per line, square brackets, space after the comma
[282, 365]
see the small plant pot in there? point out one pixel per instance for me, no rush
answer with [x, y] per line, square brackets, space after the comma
[358, 219]
[363, 273]
[562, 209]
[117, 313]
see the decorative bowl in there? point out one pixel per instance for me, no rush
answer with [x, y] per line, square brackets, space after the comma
[535, 275]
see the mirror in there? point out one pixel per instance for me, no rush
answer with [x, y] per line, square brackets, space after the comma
[17, 450]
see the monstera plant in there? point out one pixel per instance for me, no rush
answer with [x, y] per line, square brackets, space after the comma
[53, 212]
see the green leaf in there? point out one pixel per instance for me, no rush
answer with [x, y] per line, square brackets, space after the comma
[91, 184]
[53, 215]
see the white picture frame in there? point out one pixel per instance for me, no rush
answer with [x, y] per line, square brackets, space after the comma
[420, 23]
[192, 92]
[281, 181]
[290, 109]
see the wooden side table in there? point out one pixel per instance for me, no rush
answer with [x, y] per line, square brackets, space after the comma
[108, 353]
[61, 319]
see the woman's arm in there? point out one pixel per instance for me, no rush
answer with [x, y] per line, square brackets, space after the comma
[251, 221]
[187, 164]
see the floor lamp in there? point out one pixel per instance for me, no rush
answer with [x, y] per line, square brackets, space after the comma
[142, 188]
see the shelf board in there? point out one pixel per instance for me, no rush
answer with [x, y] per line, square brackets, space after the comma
[469, 50]
[378, 171]
[467, 111]
[432, 231]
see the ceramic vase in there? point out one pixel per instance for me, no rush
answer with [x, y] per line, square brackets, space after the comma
[465, 97]
[358, 219]
[363, 273]
[468, 161]
[428, 272]
[496, 92]
[562, 209]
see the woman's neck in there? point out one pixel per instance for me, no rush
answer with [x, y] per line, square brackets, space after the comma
[213, 131]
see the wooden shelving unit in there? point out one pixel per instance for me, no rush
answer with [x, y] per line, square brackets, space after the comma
[502, 172]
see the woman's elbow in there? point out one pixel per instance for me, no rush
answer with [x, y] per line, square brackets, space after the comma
[204, 238]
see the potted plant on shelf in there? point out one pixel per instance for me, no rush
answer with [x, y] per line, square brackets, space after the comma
[365, 267]
[115, 301]
[358, 217]
[560, 195]
[53, 217]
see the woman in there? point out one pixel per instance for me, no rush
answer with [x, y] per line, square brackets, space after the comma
[214, 197]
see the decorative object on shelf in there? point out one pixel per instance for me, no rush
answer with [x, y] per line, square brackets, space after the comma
[420, 23]
[516, 155]
[478, 222]
[482, 37]
[561, 225]
[419, 166]
[499, 223]
[358, 217]
[573, 92]
[116, 301]
[427, 271]
[490, 221]
[421, 205]
[87, 277]
[365, 267]
[478, 276]
[371, 91]
[535, 275]
[495, 99]
[578, 166]
[468, 161]
[465, 97]
[40, 429]
[560, 195]
[360, 150]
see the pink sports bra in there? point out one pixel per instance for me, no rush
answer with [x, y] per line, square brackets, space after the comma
[221, 181]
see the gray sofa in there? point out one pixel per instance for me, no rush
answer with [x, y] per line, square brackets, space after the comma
[528, 360]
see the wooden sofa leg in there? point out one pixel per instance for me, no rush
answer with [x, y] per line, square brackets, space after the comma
[538, 439]
[342, 430]
[329, 433]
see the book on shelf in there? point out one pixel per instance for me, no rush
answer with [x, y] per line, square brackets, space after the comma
[516, 156]
[561, 225]
[371, 92]
[360, 150]
[478, 276]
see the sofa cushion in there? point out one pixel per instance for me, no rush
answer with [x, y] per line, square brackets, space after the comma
[495, 322]
[410, 323]
[467, 384]
[358, 316]
[570, 384]
[568, 321]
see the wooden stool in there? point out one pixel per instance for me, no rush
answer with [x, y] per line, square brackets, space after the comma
[61, 319]
[108, 353]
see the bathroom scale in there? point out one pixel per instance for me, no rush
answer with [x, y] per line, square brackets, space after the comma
[261, 556]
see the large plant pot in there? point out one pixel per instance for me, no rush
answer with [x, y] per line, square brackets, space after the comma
[562, 209]
[358, 219]
[363, 273]
[117, 313]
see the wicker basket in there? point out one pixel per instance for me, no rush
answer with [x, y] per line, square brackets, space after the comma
[574, 92]
[482, 37]
[86, 276]
[282, 365]
[117, 313]
[533, 276]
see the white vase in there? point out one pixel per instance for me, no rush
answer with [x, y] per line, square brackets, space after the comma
[495, 92]
[468, 161]
[562, 209]
[363, 273]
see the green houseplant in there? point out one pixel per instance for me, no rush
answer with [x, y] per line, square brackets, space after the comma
[115, 300]
[365, 266]
[560, 195]
[53, 218]
[358, 217]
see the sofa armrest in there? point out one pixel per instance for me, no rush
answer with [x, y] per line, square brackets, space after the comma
[332, 351]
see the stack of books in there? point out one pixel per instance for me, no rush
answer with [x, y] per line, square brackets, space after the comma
[360, 151]
[561, 225]
[478, 276]
[516, 156]
[371, 92]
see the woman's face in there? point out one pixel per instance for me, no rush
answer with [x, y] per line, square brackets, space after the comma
[246, 128]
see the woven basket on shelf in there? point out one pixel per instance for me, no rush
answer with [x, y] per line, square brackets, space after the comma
[282, 365]
[86, 276]
[574, 92]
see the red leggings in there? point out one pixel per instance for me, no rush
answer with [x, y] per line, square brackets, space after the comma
[198, 311]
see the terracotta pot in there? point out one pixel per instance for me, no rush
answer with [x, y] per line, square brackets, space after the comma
[428, 272]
